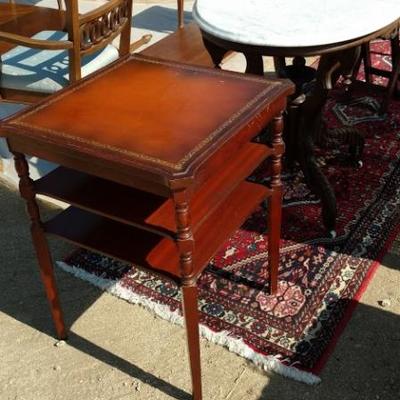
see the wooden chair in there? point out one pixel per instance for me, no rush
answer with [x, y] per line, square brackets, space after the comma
[393, 75]
[50, 60]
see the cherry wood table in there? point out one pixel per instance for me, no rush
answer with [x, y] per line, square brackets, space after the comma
[333, 29]
[155, 175]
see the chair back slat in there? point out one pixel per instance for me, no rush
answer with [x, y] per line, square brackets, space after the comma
[102, 25]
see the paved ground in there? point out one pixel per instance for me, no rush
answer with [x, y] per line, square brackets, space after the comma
[121, 351]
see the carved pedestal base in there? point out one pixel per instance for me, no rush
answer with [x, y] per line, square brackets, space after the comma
[303, 126]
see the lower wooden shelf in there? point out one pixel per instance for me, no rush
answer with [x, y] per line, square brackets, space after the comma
[150, 250]
[146, 210]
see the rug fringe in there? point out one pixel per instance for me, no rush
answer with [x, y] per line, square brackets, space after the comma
[237, 346]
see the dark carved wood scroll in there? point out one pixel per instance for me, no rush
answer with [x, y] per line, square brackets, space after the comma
[95, 31]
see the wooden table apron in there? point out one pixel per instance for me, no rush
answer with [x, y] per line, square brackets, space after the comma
[336, 59]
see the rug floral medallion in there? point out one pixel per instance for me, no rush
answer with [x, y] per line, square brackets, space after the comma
[320, 279]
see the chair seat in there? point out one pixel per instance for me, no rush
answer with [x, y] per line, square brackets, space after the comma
[46, 71]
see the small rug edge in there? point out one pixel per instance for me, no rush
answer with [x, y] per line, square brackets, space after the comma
[237, 346]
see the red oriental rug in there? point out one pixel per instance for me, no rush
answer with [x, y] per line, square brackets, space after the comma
[320, 279]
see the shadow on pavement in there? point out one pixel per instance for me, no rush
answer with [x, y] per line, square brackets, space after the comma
[22, 294]
[364, 365]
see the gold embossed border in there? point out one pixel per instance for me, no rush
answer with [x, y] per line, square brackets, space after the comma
[139, 156]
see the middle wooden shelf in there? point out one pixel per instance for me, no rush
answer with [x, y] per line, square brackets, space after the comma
[149, 211]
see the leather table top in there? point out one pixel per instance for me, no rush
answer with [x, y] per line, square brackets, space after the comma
[149, 113]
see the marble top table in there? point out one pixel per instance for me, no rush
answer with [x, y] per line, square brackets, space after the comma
[334, 29]
[294, 23]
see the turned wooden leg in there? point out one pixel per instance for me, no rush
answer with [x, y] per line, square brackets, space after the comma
[185, 243]
[274, 235]
[275, 204]
[366, 56]
[181, 21]
[191, 315]
[40, 243]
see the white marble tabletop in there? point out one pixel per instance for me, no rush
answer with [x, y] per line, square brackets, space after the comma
[294, 23]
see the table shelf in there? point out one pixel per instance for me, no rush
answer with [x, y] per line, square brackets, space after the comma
[146, 210]
[150, 250]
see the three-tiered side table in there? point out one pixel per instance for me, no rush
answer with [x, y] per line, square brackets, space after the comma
[153, 161]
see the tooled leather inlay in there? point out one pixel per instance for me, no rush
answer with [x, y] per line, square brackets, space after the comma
[178, 166]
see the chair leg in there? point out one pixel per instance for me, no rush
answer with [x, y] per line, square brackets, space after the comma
[394, 77]
[349, 68]
[358, 65]
[279, 66]
[366, 56]
[191, 316]
[40, 244]
[181, 12]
